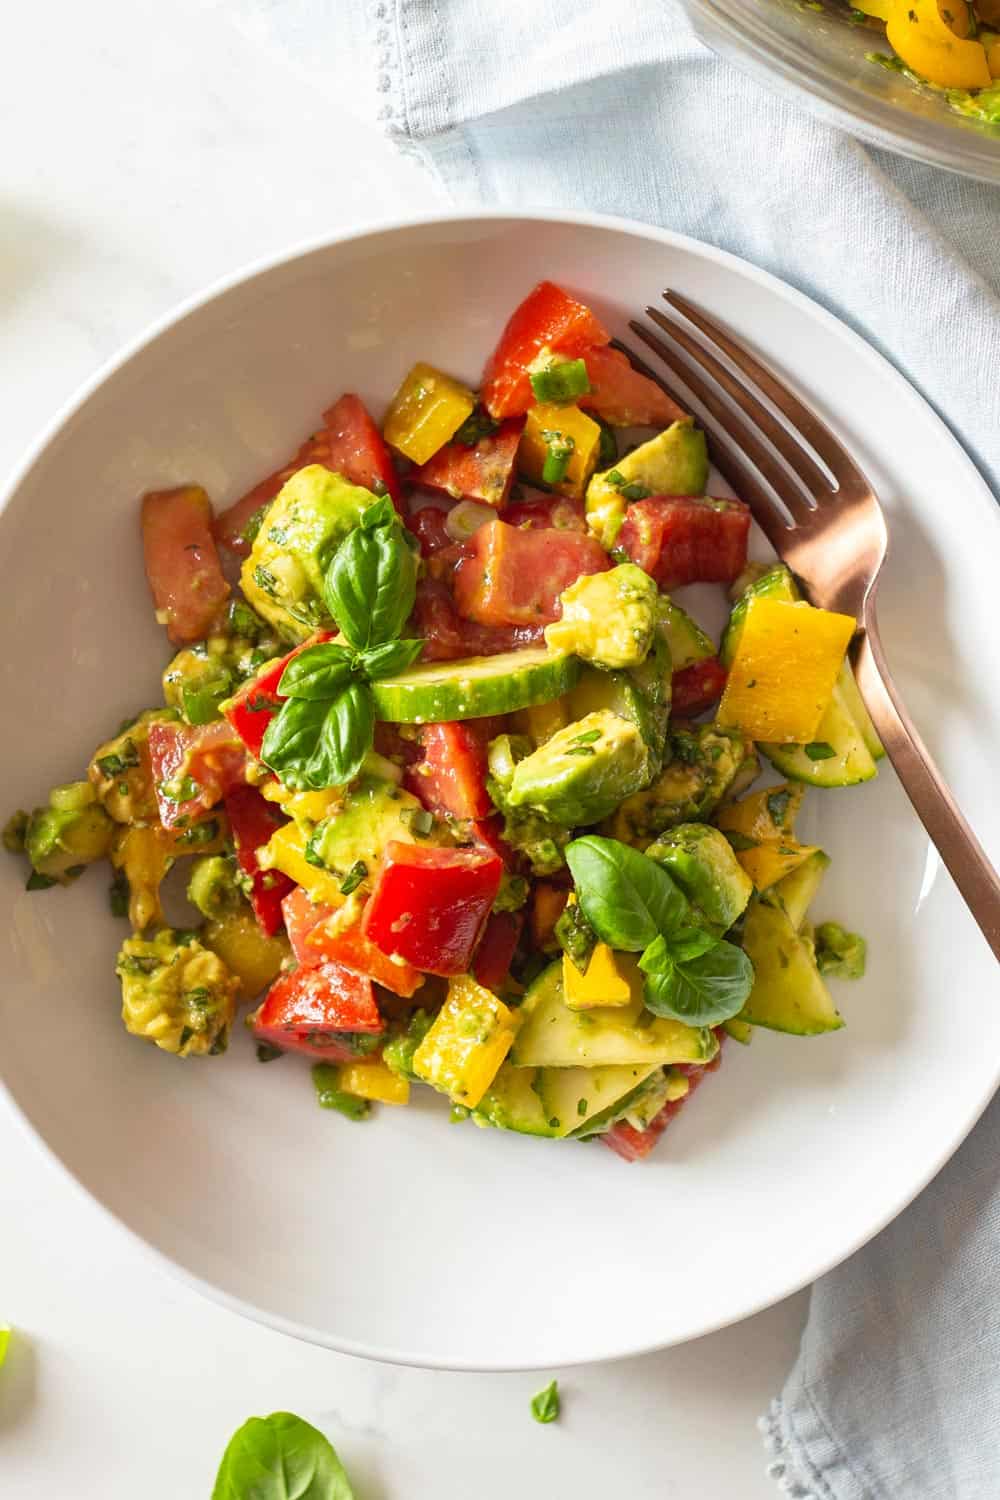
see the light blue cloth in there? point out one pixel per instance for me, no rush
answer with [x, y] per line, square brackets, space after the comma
[612, 105]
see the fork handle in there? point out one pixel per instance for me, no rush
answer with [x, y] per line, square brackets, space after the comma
[962, 853]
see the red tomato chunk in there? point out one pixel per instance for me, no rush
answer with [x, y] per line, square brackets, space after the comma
[253, 820]
[484, 472]
[548, 318]
[515, 576]
[430, 906]
[549, 512]
[193, 767]
[231, 528]
[251, 709]
[427, 525]
[301, 915]
[357, 450]
[451, 778]
[182, 562]
[634, 1145]
[624, 397]
[681, 539]
[349, 946]
[696, 688]
[492, 962]
[303, 1011]
[449, 637]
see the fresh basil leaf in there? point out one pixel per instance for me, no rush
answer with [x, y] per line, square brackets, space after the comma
[276, 1457]
[291, 739]
[371, 584]
[702, 991]
[627, 898]
[345, 739]
[545, 1405]
[382, 513]
[387, 660]
[320, 672]
[690, 942]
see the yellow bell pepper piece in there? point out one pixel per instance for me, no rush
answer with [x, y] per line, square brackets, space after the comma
[605, 982]
[877, 8]
[769, 862]
[246, 951]
[305, 807]
[546, 424]
[782, 677]
[928, 37]
[286, 851]
[426, 412]
[471, 1035]
[765, 823]
[373, 1080]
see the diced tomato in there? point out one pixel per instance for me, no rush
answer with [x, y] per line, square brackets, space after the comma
[489, 831]
[549, 512]
[515, 577]
[484, 472]
[451, 778]
[622, 396]
[182, 562]
[357, 450]
[204, 761]
[253, 820]
[395, 746]
[427, 525]
[548, 318]
[230, 529]
[449, 637]
[430, 906]
[301, 915]
[251, 709]
[499, 942]
[633, 1145]
[349, 946]
[308, 1010]
[547, 903]
[696, 688]
[679, 539]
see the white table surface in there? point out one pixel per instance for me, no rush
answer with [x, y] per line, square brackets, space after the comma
[149, 150]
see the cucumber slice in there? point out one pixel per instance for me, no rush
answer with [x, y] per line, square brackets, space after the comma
[788, 992]
[553, 1036]
[474, 687]
[850, 763]
[796, 892]
[687, 641]
[855, 706]
[512, 1102]
[573, 1096]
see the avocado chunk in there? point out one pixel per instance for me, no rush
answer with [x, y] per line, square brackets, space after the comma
[674, 463]
[398, 1051]
[703, 864]
[707, 762]
[120, 770]
[374, 813]
[581, 774]
[513, 1102]
[302, 528]
[214, 886]
[640, 695]
[607, 618]
[73, 831]
[839, 952]
[541, 841]
[177, 994]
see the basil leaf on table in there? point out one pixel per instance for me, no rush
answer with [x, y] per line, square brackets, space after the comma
[701, 991]
[278, 1457]
[291, 739]
[319, 672]
[387, 660]
[371, 584]
[345, 739]
[626, 897]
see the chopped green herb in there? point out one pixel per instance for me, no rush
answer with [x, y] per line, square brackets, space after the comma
[183, 790]
[561, 381]
[587, 738]
[819, 750]
[118, 894]
[123, 760]
[199, 833]
[545, 1405]
[329, 1095]
[355, 875]
[478, 424]
[264, 579]
[419, 820]
[38, 882]
[777, 806]
[560, 450]
[581, 750]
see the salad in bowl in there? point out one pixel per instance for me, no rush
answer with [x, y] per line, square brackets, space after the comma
[460, 794]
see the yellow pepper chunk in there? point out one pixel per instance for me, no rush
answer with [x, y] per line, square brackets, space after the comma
[764, 823]
[426, 412]
[877, 8]
[783, 673]
[545, 430]
[286, 851]
[769, 862]
[246, 951]
[471, 1035]
[928, 37]
[993, 59]
[308, 807]
[373, 1080]
[605, 982]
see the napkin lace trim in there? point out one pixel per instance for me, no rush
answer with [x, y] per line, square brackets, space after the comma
[779, 1469]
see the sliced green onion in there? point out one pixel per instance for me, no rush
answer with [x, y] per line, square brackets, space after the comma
[561, 381]
[560, 446]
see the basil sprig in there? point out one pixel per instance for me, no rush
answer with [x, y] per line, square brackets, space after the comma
[321, 735]
[272, 1458]
[633, 904]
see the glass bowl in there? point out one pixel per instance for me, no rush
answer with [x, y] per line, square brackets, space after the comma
[816, 53]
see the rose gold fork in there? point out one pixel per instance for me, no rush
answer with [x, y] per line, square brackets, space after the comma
[834, 537]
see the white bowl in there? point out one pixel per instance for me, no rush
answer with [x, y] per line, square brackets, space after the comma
[406, 1238]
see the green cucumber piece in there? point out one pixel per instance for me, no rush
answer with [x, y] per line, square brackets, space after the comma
[553, 1036]
[850, 763]
[513, 1102]
[796, 892]
[687, 641]
[572, 1097]
[789, 993]
[474, 687]
[855, 705]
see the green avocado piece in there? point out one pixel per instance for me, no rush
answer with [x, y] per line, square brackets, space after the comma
[620, 692]
[300, 531]
[398, 1051]
[177, 993]
[73, 831]
[673, 463]
[541, 841]
[607, 618]
[581, 774]
[702, 862]
[213, 887]
[374, 813]
[708, 762]
[687, 641]
[512, 1102]
[839, 952]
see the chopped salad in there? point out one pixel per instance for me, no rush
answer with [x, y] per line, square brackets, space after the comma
[463, 796]
[950, 44]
